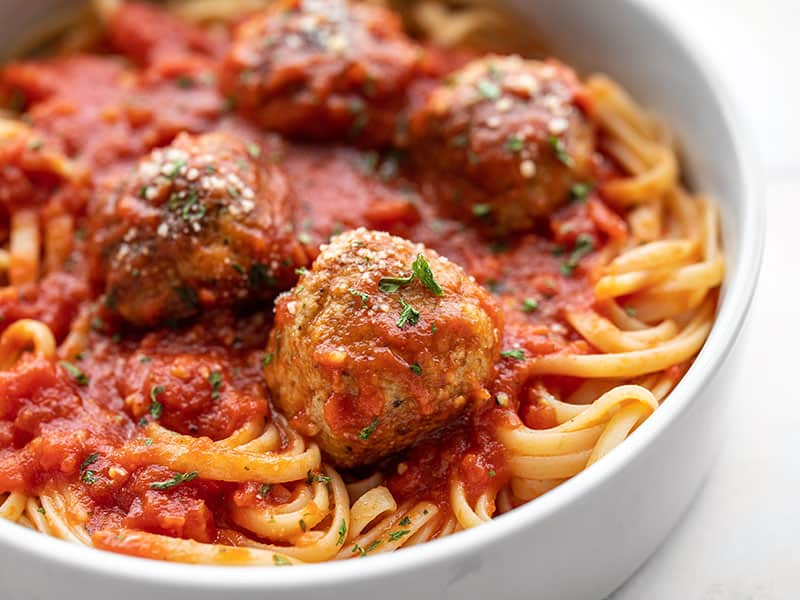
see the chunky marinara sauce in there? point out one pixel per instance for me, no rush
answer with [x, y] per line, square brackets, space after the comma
[150, 79]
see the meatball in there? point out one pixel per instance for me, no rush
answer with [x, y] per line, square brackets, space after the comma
[506, 139]
[322, 69]
[203, 222]
[382, 342]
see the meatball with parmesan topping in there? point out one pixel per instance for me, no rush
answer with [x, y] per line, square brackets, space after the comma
[322, 69]
[203, 222]
[381, 343]
[506, 139]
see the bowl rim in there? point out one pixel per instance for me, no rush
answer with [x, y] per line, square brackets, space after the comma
[729, 321]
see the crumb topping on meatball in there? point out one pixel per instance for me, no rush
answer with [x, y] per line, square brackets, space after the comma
[381, 343]
[199, 223]
[322, 69]
[507, 138]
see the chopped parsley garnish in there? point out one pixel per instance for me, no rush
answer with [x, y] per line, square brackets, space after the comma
[155, 391]
[560, 151]
[281, 561]
[516, 354]
[489, 89]
[370, 161]
[254, 150]
[300, 271]
[342, 532]
[302, 524]
[390, 285]
[91, 459]
[145, 359]
[215, 379]
[175, 168]
[419, 269]
[79, 376]
[193, 209]
[368, 430]
[311, 477]
[267, 359]
[492, 473]
[41, 510]
[584, 244]
[110, 299]
[396, 535]
[514, 144]
[579, 191]
[364, 297]
[177, 479]
[422, 270]
[156, 408]
[481, 210]
[148, 441]
[238, 268]
[529, 305]
[89, 477]
[630, 311]
[360, 122]
[405, 521]
[260, 277]
[416, 369]
[363, 551]
[263, 491]
[409, 315]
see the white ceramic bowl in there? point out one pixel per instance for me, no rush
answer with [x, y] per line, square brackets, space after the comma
[585, 538]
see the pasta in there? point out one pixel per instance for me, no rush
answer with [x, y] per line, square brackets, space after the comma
[265, 493]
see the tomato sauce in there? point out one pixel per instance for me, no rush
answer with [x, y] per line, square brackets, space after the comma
[105, 111]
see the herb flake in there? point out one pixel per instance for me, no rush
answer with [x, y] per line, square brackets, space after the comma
[177, 479]
[79, 376]
[364, 297]
[422, 270]
[342, 532]
[561, 152]
[409, 315]
[365, 433]
[215, 380]
[516, 354]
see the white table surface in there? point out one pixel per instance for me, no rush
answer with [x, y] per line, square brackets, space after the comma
[741, 538]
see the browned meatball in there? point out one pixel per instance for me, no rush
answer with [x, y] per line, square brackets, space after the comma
[202, 222]
[506, 139]
[322, 69]
[382, 342]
